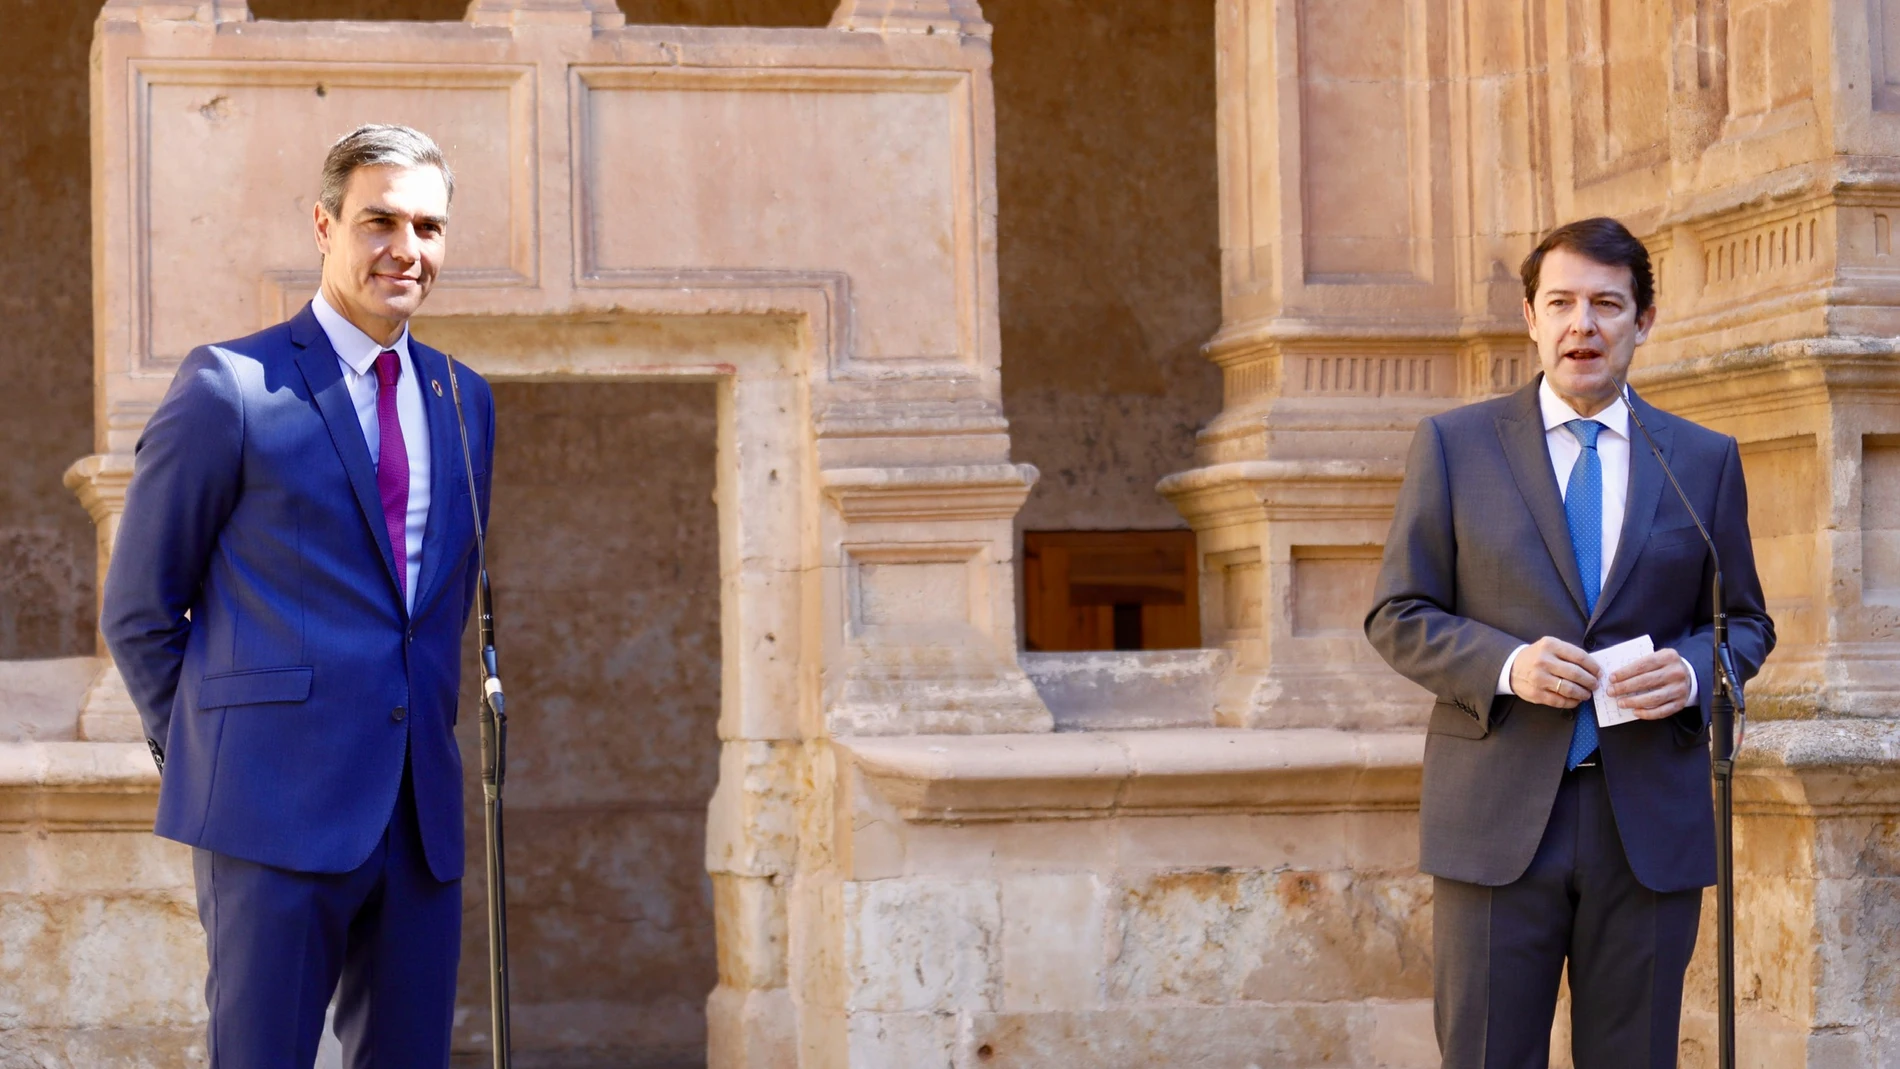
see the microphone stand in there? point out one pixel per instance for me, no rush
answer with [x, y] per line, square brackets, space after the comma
[1726, 709]
[494, 730]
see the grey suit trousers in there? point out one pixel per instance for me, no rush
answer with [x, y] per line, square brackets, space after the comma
[1500, 951]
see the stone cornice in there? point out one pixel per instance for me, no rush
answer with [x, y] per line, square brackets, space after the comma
[911, 16]
[1770, 378]
[945, 492]
[1846, 179]
[1097, 775]
[1801, 768]
[1819, 768]
[94, 785]
[1328, 489]
[99, 481]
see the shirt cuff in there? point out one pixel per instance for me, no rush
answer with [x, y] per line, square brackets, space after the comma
[1687, 667]
[1504, 676]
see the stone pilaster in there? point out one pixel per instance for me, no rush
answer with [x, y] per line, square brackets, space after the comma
[1356, 300]
[99, 481]
[922, 570]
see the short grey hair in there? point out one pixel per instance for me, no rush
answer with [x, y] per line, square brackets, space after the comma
[377, 145]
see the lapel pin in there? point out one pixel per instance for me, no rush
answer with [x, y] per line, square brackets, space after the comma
[436, 385]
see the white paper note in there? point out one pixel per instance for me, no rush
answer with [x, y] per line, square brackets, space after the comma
[1609, 713]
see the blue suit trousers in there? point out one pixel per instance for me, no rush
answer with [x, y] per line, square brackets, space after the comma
[385, 937]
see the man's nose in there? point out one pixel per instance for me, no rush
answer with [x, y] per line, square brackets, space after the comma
[403, 246]
[1586, 322]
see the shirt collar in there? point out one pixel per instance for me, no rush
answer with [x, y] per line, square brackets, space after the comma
[1615, 419]
[356, 349]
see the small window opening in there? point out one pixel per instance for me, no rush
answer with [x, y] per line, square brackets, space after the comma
[1110, 590]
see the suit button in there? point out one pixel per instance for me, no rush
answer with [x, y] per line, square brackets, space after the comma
[399, 714]
[412, 636]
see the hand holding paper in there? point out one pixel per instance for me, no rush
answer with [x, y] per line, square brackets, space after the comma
[1609, 712]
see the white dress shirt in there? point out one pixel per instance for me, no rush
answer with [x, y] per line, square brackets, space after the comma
[357, 352]
[1613, 453]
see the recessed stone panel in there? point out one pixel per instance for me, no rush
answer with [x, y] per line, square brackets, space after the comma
[1333, 588]
[719, 171]
[1880, 519]
[1883, 17]
[1359, 72]
[222, 197]
[1619, 55]
[1784, 506]
[905, 593]
[1237, 576]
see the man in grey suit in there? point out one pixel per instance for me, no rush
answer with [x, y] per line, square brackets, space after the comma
[1532, 530]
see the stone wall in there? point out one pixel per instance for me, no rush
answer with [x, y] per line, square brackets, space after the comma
[1107, 250]
[46, 542]
[1127, 900]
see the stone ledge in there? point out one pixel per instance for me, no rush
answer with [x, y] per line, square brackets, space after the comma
[1832, 767]
[1097, 775]
[97, 785]
[1135, 690]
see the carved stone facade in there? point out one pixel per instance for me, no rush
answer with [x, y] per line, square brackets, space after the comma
[927, 849]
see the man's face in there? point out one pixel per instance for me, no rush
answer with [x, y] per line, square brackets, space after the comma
[1585, 324]
[381, 255]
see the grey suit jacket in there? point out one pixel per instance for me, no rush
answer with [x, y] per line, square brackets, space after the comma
[1479, 560]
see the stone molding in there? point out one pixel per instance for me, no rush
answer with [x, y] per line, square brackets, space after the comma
[593, 14]
[1819, 768]
[911, 16]
[98, 786]
[1802, 767]
[99, 481]
[1290, 489]
[213, 12]
[951, 492]
[1179, 772]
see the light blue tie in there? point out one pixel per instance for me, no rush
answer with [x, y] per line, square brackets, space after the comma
[1583, 508]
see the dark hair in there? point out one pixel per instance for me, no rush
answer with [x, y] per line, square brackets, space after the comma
[1604, 240]
[377, 146]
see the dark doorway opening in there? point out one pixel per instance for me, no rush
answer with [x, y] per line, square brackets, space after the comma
[604, 556]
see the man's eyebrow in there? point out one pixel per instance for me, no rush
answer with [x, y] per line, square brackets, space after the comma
[1617, 293]
[377, 211]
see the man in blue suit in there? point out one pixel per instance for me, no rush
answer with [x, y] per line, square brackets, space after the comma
[1531, 531]
[286, 601]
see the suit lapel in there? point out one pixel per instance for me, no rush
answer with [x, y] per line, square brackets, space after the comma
[1646, 487]
[445, 466]
[323, 373]
[1522, 435]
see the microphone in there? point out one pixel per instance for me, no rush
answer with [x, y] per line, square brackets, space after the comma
[1728, 681]
[1726, 713]
[493, 770]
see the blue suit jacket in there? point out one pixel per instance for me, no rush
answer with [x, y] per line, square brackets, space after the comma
[286, 700]
[1479, 559]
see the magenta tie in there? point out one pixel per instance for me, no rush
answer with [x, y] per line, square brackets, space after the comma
[392, 467]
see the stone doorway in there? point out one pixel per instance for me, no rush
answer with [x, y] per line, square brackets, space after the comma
[605, 562]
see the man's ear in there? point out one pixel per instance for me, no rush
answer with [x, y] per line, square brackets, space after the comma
[1530, 320]
[1644, 323]
[323, 224]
